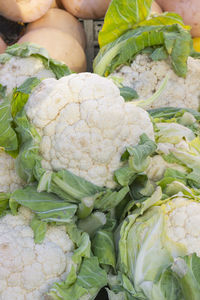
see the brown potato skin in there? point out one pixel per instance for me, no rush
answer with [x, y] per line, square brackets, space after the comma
[87, 9]
[60, 46]
[3, 46]
[189, 10]
[24, 11]
[62, 20]
[155, 8]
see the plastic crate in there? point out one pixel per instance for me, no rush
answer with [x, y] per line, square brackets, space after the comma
[92, 28]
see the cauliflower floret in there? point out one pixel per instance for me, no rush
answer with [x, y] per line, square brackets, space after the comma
[9, 180]
[15, 71]
[85, 125]
[145, 76]
[183, 224]
[27, 270]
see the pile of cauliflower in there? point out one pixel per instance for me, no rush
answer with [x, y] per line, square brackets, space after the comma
[85, 126]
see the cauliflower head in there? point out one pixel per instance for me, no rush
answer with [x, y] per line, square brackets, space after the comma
[183, 223]
[16, 70]
[85, 125]
[9, 180]
[27, 270]
[145, 76]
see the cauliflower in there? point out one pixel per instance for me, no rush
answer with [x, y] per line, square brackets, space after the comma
[9, 180]
[15, 71]
[183, 224]
[28, 270]
[85, 125]
[153, 238]
[145, 75]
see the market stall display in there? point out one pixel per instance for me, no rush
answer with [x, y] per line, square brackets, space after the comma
[99, 168]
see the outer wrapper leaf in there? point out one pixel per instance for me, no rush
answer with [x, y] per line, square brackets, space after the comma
[121, 16]
[39, 228]
[87, 278]
[187, 273]
[8, 137]
[47, 207]
[21, 94]
[29, 147]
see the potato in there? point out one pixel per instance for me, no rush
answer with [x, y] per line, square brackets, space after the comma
[62, 20]
[87, 9]
[155, 8]
[189, 10]
[24, 11]
[3, 45]
[54, 4]
[60, 45]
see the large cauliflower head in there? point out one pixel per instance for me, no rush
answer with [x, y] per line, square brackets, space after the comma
[16, 70]
[28, 270]
[146, 75]
[85, 125]
[9, 180]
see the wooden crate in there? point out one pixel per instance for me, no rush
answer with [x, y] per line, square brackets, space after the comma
[92, 28]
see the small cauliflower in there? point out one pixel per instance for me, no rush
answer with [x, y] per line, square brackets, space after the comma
[15, 71]
[22, 61]
[183, 223]
[85, 125]
[9, 180]
[28, 270]
[156, 236]
[145, 76]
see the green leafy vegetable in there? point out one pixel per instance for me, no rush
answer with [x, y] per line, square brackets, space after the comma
[121, 16]
[47, 207]
[39, 228]
[8, 137]
[128, 93]
[186, 270]
[29, 147]
[2, 91]
[21, 94]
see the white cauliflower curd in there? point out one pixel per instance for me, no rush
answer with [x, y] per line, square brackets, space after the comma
[85, 125]
[183, 224]
[16, 70]
[28, 270]
[145, 76]
[9, 180]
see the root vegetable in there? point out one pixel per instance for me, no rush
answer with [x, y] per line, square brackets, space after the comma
[24, 11]
[2, 45]
[62, 20]
[54, 4]
[60, 45]
[87, 9]
[155, 8]
[189, 10]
